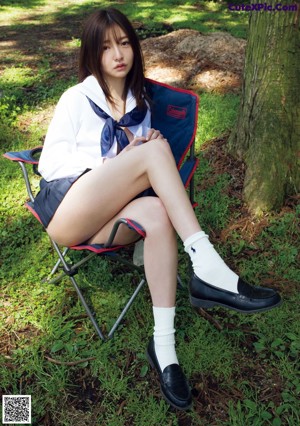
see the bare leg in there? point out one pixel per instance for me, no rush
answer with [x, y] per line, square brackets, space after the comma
[160, 249]
[102, 193]
[99, 197]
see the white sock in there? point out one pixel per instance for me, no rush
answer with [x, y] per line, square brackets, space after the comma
[164, 336]
[208, 264]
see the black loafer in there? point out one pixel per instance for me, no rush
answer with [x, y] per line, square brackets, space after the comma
[248, 299]
[173, 383]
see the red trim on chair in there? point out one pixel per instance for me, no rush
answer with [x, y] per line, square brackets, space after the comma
[176, 112]
[193, 136]
[94, 248]
[15, 158]
[28, 159]
[140, 231]
[98, 248]
[31, 209]
[192, 172]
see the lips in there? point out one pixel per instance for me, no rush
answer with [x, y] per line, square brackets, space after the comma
[120, 67]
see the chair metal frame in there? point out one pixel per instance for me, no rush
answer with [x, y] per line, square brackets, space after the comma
[70, 270]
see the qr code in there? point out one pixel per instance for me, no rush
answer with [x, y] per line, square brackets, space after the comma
[16, 409]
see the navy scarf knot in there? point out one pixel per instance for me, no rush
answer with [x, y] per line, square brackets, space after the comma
[113, 128]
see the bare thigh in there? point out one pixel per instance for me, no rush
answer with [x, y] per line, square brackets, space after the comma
[97, 197]
[101, 194]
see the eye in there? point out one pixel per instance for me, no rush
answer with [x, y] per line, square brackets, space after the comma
[125, 43]
[105, 47]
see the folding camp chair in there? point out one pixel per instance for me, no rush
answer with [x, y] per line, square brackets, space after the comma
[174, 113]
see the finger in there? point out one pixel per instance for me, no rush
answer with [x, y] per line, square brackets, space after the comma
[155, 134]
[137, 140]
[150, 134]
[161, 138]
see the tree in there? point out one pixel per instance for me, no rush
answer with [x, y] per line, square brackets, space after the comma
[267, 133]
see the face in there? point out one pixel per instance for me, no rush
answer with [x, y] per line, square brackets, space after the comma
[117, 58]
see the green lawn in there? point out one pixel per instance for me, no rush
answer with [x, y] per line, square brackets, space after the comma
[244, 370]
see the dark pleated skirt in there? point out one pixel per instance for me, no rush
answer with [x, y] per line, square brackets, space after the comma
[51, 195]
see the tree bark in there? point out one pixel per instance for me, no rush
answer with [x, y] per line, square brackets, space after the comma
[267, 133]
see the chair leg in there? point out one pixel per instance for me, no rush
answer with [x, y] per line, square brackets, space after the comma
[123, 313]
[70, 271]
[56, 266]
[87, 309]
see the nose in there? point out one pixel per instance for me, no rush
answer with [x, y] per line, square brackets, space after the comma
[118, 52]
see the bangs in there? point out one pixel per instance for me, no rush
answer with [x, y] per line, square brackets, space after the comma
[115, 31]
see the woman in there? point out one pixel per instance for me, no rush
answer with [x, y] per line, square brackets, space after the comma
[100, 153]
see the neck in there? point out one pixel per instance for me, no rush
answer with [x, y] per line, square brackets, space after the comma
[117, 105]
[116, 89]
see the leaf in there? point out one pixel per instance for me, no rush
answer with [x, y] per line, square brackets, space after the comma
[58, 345]
[69, 348]
[277, 342]
[276, 422]
[266, 415]
[292, 336]
[84, 364]
[259, 346]
[144, 370]
[250, 404]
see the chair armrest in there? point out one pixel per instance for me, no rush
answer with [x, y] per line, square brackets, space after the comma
[27, 156]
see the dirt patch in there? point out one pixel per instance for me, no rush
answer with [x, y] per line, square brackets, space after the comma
[188, 58]
[248, 225]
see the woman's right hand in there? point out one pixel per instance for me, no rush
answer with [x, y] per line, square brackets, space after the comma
[135, 142]
[138, 140]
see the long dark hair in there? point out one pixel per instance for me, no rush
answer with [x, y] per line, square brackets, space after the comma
[91, 52]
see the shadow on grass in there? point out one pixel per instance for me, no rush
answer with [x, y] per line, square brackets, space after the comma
[22, 3]
[42, 35]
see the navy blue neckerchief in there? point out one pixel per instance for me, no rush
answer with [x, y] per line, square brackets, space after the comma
[113, 127]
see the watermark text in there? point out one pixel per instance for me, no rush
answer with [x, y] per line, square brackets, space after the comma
[278, 7]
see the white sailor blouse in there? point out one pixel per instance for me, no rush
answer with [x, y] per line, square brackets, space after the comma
[72, 143]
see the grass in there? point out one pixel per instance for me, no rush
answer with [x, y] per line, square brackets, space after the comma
[243, 369]
[205, 16]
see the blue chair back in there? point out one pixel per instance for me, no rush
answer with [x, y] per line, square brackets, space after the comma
[175, 114]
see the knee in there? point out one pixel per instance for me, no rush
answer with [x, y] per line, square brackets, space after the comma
[159, 149]
[158, 219]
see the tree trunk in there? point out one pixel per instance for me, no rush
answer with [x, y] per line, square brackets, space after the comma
[267, 134]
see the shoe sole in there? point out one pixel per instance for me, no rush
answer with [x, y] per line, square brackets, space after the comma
[206, 304]
[165, 397]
